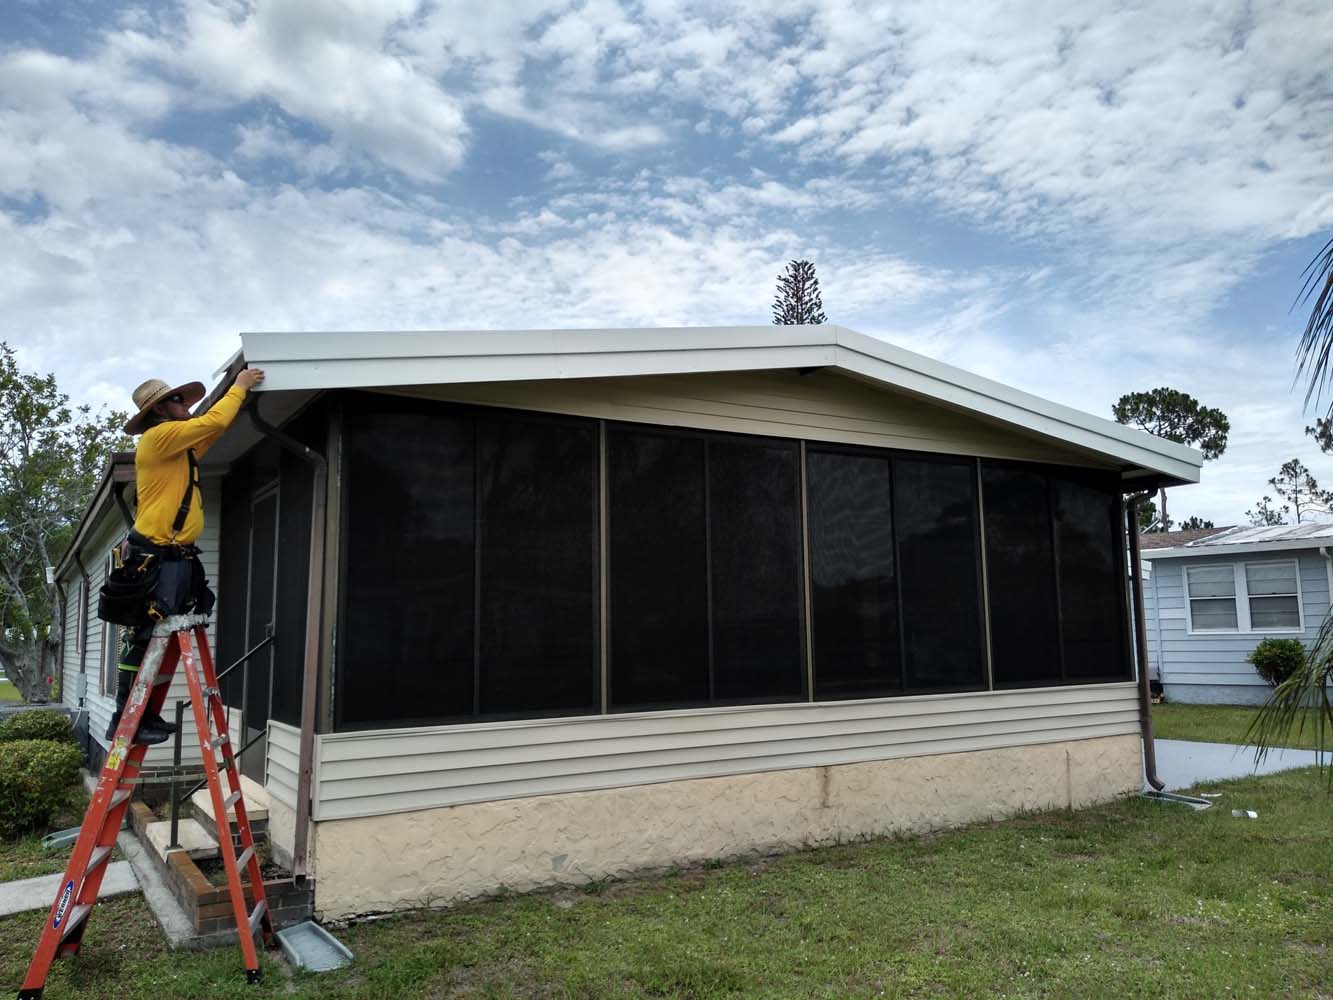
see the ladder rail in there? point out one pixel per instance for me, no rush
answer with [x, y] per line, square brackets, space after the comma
[179, 643]
[209, 717]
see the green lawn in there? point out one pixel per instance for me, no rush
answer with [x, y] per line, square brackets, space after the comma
[27, 858]
[8, 692]
[1217, 724]
[1133, 899]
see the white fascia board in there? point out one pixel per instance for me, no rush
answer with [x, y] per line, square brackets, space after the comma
[1240, 549]
[382, 359]
[883, 362]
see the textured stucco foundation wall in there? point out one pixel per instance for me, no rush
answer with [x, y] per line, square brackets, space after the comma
[445, 855]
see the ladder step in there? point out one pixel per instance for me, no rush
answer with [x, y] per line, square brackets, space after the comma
[121, 795]
[99, 856]
[231, 800]
[258, 915]
[218, 741]
[76, 916]
[246, 855]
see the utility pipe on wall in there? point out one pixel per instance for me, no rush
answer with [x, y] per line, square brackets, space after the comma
[1141, 642]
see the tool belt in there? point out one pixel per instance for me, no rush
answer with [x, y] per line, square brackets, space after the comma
[127, 597]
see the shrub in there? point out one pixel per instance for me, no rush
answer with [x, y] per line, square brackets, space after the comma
[1277, 659]
[38, 724]
[36, 778]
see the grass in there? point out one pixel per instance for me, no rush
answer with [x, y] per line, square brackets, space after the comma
[27, 858]
[1132, 899]
[8, 692]
[1216, 724]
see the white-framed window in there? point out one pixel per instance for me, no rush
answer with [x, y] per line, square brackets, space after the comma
[1245, 597]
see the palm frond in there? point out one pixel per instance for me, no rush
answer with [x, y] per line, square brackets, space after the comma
[1316, 346]
[1300, 703]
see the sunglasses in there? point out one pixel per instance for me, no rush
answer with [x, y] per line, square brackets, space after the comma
[175, 397]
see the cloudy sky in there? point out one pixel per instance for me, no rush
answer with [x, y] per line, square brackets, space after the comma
[1079, 199]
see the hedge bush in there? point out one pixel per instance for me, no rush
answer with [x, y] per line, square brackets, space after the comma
[36, 779]
[1277, 659]
[37, 724]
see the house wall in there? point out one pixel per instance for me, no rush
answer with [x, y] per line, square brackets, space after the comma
[100, 637]
[378, 772]
[443, 855]
[1211, 668]
[820, 406]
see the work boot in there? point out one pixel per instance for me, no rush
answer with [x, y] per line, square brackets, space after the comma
[149, 733]
[157, 722]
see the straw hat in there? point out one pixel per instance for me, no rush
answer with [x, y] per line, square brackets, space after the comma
[153, 392]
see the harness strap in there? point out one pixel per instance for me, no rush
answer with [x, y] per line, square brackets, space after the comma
[190, 487]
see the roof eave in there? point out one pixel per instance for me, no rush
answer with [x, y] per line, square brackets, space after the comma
[376, 360]
[119, 468]
[1242, 548]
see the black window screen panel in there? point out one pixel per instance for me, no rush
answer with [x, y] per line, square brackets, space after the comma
[854, 599]
[406, 634]
[754, 541]
[935, 517]
[658, 601]
[294, 513]
[1020, 573]
[537, 494]
[233, 573]
[1091, 581]
[257, 675]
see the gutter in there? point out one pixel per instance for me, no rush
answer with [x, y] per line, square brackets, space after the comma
[1141, 643]
[313, 611]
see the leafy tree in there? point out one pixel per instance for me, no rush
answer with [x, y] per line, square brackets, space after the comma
[1176, 416]
[798, 299]
[1195, 523]
[1294, 484]
[1148, 517]
[1322, 432]
[50, 458]
[1316, 344]
[1266, 515]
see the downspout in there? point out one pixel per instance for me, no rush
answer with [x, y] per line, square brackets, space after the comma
[313, 609]
[1141, 643]
[83, 620]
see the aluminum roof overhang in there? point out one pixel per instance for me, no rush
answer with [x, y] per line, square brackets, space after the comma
[307, 362]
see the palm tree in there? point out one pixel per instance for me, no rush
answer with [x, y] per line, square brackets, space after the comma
[1316, 345]
[1300, 704]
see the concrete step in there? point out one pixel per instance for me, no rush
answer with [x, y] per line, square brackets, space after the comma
[195, 841]
[256, 800]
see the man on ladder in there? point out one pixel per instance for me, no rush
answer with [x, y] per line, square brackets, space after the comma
[167, 635]
[171, 514]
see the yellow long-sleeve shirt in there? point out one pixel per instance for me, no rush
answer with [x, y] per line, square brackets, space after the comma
[162, 469]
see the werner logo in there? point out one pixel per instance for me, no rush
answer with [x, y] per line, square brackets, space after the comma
[63, 905]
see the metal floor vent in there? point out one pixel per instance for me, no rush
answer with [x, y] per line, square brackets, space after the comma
[309, 946]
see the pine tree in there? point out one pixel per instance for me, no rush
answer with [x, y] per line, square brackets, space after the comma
[798, 298]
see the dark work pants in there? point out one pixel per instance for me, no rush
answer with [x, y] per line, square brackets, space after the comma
[181, 588]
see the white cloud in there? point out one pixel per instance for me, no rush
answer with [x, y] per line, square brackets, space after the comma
[1144, 158]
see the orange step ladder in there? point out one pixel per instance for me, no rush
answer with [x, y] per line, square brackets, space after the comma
[180, 640]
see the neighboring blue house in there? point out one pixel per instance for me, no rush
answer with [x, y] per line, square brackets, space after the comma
[1210, 598]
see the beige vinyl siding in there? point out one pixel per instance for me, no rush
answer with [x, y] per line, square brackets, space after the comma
[820, 406]
[379, 772]
[283, 763]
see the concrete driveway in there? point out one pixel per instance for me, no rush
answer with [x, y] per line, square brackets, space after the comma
[1181, 763]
